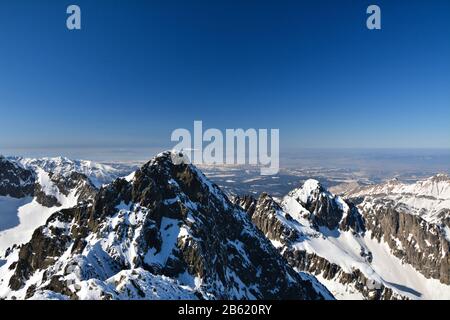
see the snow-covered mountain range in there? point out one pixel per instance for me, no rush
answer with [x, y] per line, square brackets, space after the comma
[379, 243]
[164, 232]
[168, 232]
[98, 173]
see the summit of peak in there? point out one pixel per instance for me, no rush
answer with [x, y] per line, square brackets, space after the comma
[311, 185]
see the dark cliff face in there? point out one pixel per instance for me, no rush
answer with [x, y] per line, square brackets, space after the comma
[175, 223]
[325, 212]
[15, 181]
[246, 202]
[422, 244]
[353, 220]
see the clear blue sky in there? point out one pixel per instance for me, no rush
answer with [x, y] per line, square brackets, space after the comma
[140, 69]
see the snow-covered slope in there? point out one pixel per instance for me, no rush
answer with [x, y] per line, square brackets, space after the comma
[429, 199]
[331, 238]
[98, 173]
[165, 232]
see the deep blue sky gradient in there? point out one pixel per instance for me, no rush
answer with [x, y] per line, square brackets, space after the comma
[140, 69]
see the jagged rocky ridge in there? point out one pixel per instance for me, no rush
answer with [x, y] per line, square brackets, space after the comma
[31, 195]
[324, 235]
[165, 232]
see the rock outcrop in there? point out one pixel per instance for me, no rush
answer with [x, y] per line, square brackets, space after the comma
[15, 181]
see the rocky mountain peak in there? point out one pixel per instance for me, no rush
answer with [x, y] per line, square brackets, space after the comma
[309, 191]
[168, 221]
[321, 207]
